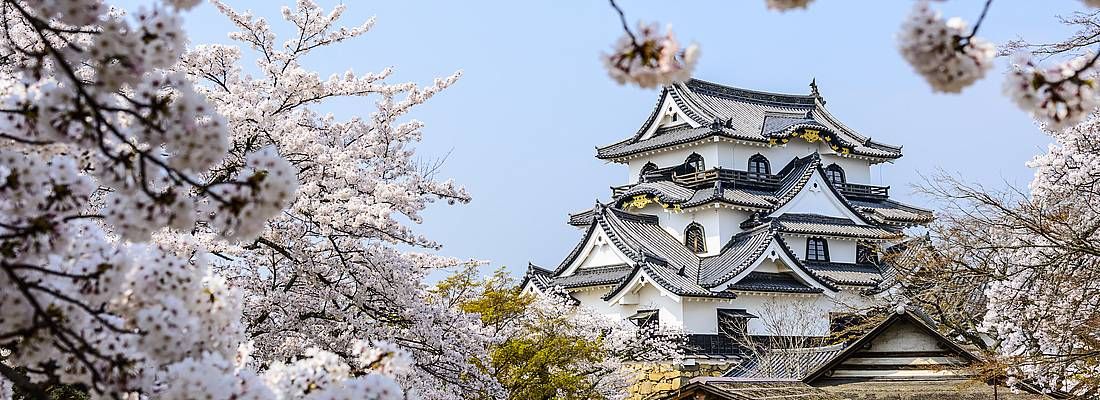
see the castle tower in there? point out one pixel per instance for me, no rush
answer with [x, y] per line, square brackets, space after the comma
[735, 199]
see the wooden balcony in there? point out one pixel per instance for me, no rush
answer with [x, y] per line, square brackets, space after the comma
[739, 178]
[752, 180]
[864, 191]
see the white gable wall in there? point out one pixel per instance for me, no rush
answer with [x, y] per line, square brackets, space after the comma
[816, 198]
[598, 251]
[903, 336]
[669, 113]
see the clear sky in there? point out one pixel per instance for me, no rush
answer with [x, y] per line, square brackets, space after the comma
[521, 125]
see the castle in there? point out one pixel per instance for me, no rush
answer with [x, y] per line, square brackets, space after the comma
[742, 208]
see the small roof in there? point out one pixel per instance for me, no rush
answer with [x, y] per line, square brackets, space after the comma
[850, 274]
[802, 373]
[785, 282]
[892, 212]
[735, 313]
[821, 225]
[742, 114]
[908, 316]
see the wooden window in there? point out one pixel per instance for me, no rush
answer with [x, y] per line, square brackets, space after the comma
[694, 238]
[866, 253]
[758, 164]
[733, 323]
[695, 162]
[817, 249]
[647, 168]
[835, 174]
[645, 319]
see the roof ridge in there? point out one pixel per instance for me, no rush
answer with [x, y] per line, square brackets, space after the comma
[750, 94]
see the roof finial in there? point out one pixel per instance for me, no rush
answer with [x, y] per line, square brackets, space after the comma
[814, 92]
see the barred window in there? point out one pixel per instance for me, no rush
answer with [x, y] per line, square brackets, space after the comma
[694, 238]
[733, 323]
[866, 253]
[817, 249]
[646, 169]
[758, 164]
[835, 174]
[695, 161]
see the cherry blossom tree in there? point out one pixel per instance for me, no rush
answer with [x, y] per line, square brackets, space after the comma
[103, 145]
[327, 272]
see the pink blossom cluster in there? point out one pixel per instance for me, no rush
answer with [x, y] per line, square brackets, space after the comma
[1059, 96]
[784, 5]
[648, 58]
[944, 53]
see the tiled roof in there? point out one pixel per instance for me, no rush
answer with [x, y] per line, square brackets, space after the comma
[728, 194]
[893, 212]
[666, 191]
[847, 273]
[593, 276]
[654, 251]
[667, 137]
[737, 255]
[813, 224]
[581, 218]
[746, 115]
[757, 281]
[783, 364]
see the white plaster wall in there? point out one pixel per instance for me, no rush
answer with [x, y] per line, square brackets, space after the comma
[815, 198]
[671, 311]
[601, 255]
[730, 223]
[840, 250]
[709, 151]
[811, 312]
[719, 224]
[904, 336]
[592, 298]
[856, 171]
[677, 223]
[736, 156]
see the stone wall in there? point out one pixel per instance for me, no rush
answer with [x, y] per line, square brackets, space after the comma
[656, 379]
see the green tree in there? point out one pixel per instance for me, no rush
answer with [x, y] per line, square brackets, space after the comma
[546, 347]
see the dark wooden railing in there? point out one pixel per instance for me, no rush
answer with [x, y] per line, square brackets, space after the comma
[713, 345]
[867, 191]
[728, 175]
[753, 180]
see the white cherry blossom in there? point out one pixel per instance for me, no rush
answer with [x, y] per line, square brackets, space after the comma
[944, 53]
[648, 58]
[1059, 96]
[784, 5]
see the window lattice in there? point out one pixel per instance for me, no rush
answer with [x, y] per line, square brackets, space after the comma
[694, 238]
[758, 164]
[817, 249]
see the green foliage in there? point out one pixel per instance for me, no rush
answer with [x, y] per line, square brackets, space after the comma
[540, 355]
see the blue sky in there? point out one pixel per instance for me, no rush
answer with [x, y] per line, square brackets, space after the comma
[521, 125]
